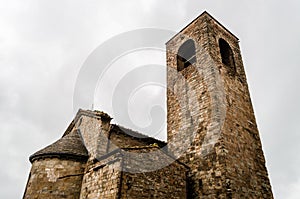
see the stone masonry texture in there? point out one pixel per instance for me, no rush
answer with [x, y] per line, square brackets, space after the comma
[55, 178]
[213, 148]
[233, 165]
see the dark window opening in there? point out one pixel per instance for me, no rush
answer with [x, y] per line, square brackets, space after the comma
[200, 184]
[227, 55]
[186, 55]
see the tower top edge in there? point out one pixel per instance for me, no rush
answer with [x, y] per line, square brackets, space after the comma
[203, 14]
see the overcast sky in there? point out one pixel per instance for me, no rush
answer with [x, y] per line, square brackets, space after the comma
[43, 45]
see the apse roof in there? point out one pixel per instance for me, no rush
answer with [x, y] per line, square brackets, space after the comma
[69, 146]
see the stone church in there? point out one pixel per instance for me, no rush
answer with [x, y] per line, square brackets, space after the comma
[213, 147]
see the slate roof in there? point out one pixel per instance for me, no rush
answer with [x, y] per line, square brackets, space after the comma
[69, 146]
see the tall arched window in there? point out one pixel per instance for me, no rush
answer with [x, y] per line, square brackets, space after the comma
[186, 55]
[227, 55]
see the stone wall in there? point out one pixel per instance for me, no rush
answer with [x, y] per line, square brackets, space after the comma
[54, 178]
[190, 118]
[94, 129]
[245, 163]
[120, 137]
[122, 174]
[122, 140]
[169, 182]
[161, 181]
[102, 178]
[100, 137]
[211, 124]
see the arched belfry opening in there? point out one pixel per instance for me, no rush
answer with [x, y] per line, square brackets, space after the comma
[186, 55]
[227, 55]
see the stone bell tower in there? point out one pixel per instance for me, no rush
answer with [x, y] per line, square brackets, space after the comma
[211, 123]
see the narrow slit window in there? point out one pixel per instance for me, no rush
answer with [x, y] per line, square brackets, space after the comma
[186, 55]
